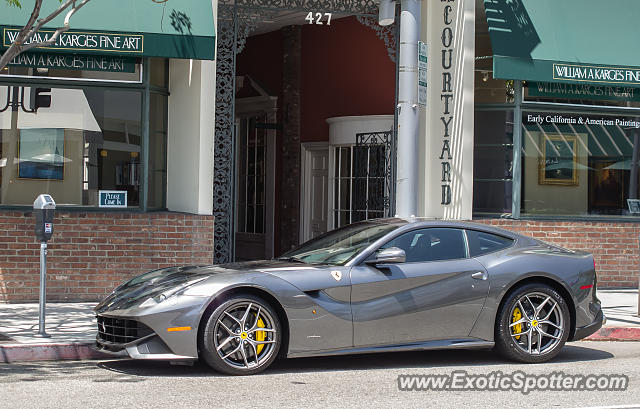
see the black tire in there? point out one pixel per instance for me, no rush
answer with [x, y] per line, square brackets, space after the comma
[213, 336]
[516, 347]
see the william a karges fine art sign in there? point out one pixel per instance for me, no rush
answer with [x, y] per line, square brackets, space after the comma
[84, 41]
[590, 73]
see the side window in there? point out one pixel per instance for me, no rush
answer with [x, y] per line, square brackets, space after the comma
[482, 243]
[431, 244]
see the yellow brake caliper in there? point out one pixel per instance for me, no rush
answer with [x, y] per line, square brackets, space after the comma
[260, 336]
[517, 315]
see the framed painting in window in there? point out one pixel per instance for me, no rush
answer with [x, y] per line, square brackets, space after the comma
[559, 162]
[607, 184]
[41, 154]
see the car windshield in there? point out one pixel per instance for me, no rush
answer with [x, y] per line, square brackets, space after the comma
[339, 246]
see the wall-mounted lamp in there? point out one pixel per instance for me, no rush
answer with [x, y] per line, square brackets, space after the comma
[386, 12]
[485, 76]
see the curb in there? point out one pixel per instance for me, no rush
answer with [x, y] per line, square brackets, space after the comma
[49, 352]
[615, 334]
[11, 353]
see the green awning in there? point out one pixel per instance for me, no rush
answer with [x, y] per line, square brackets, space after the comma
[172, 29]
[579, 41]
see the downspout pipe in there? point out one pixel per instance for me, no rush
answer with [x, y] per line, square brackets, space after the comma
[408, 119]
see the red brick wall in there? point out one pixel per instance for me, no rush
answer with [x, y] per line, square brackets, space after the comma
[613, 245]
[91, 253]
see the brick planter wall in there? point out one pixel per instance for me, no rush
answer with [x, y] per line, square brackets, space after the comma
[91, 253]
[614, 245]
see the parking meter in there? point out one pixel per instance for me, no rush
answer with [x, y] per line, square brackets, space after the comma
[44, 209]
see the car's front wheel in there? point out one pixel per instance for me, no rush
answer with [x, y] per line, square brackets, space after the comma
[532, 324]
[242, 336]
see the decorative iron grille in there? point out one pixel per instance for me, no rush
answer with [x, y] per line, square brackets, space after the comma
[374, 175]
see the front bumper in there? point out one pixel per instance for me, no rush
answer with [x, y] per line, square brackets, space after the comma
[150, 348]
[168, 331]
[583, 332]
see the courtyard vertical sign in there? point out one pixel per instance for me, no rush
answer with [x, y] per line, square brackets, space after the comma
[446, 98]
[446, 128]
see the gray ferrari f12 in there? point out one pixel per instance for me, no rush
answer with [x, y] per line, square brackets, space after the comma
[374, 286]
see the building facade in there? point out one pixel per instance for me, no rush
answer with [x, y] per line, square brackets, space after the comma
[120, 144]
[240, 142]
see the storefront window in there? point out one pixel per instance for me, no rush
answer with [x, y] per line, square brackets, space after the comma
[80, 141]
[579, 137]
[87, 140]
[492, 161]
[158, 112]
[492, 91]
[579, 163]
[488, 90]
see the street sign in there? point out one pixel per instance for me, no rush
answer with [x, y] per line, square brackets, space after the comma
[112, 198]
[422, 73]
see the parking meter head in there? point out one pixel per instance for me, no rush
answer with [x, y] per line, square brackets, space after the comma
[44, 208]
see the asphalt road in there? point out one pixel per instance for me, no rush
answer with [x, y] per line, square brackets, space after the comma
[354, 381]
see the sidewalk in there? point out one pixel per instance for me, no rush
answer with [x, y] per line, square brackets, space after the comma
[621, 309]
[73, 330]
[71, 326]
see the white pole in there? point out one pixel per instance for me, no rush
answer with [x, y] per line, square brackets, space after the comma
[407, 153]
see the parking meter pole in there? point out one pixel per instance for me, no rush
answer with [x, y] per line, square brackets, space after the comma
[43, 209]
[43, 289]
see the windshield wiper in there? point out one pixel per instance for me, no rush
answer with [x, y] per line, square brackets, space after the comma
[291, 259]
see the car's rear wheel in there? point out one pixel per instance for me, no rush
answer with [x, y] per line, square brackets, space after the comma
[242, 336]
[532, 324]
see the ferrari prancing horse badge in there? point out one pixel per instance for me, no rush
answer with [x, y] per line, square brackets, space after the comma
[337, 275]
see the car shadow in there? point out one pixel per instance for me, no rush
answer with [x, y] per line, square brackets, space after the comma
[396, 360]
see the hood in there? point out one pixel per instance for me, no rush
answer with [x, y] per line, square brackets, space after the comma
[156, 282]
[150, 284]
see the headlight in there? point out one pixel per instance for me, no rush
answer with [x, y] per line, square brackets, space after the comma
[157, 299]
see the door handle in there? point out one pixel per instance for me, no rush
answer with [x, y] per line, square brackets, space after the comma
[480, 275]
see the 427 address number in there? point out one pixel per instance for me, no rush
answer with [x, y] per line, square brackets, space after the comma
[318, 18]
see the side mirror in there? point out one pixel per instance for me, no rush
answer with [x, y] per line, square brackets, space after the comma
[388, 256]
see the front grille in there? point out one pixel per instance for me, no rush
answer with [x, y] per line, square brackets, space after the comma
[120, 330]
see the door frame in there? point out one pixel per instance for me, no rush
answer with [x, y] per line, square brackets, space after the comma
[248, 107]
[305, 185]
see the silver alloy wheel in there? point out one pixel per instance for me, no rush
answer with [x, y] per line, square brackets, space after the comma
[245, 335]
[540, 327]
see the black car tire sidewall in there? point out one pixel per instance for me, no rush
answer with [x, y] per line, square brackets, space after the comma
[504, 341]
[208, 350]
